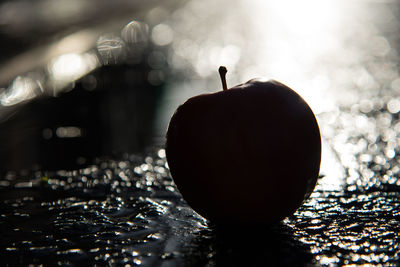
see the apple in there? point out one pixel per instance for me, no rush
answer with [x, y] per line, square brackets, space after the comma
[248, 154]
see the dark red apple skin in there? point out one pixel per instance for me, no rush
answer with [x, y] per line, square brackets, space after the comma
[249, 154]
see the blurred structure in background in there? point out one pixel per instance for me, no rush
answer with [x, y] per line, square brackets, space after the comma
[81, 79]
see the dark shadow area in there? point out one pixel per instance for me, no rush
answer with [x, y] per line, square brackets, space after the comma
[108, 113]
[252, 245]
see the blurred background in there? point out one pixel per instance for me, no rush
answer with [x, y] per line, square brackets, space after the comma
[88, 87]
[81, 80]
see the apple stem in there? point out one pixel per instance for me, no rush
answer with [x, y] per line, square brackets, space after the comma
[222, 73]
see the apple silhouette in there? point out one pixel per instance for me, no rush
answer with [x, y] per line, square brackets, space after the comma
[248, 154]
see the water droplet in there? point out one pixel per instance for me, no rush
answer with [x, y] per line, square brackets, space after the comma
[135, 32]
[111, 48]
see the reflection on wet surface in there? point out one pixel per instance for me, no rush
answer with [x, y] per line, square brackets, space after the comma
[341, 56]
[114, 212]
[129, 211]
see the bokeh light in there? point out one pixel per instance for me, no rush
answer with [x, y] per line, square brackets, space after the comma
[22, 89]
[70, 67]
[162, 34]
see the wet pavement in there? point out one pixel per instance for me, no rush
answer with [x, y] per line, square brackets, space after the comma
[341, 56]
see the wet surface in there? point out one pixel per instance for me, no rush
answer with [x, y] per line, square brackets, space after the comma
[115, 212]
[129, 212]
[126, 210]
